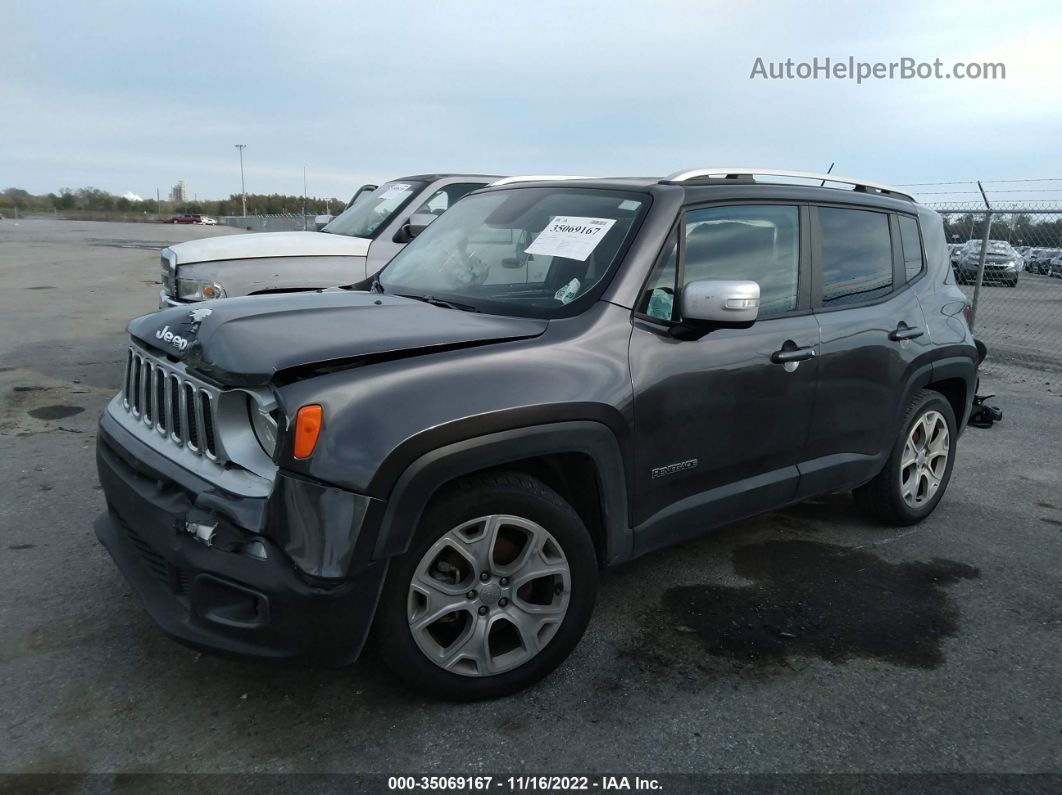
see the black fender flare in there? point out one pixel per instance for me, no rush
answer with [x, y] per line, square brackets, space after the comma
[926, 373]
[426, 474]
[963, 367]
[917, 378]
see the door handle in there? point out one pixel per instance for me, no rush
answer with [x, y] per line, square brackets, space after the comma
[905, 332]
[785, 356]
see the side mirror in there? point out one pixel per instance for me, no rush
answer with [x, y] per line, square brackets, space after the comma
[416, 224]
[720, 303]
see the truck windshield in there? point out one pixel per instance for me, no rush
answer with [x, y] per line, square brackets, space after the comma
[371, 213]
[536, 252]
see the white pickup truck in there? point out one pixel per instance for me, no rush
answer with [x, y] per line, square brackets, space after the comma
[353, 246]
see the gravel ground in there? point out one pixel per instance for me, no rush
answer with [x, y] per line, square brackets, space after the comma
[807, 640]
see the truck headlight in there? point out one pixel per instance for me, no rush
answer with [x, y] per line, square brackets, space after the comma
[264, 424]
[194, 290]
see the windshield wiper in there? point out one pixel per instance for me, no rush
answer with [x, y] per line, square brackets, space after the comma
[431, 299]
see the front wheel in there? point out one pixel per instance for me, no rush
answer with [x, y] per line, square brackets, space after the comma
[495, 591]
[919, 466]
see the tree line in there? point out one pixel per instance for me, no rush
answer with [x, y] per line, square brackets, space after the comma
[89, 198]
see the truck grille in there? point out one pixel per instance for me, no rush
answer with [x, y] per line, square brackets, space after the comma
[180, 408]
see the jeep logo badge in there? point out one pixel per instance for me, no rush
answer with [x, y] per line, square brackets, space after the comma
[177, 341]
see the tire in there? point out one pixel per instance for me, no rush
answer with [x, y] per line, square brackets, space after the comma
[488, 515]
[884, 496]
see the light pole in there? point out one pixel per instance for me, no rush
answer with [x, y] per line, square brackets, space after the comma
[243, 185]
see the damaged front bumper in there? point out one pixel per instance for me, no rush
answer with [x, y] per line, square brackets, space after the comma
[284, 576]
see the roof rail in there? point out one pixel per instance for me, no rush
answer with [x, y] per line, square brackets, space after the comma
[534, 178]
[730, 172]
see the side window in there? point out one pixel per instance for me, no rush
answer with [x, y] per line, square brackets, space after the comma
[441, 201]
[856, 255]
[912, 246]
[760, 242]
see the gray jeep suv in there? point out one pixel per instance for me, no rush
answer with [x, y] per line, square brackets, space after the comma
[555, 377]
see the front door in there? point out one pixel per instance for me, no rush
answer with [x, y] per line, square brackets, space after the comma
[720, 424]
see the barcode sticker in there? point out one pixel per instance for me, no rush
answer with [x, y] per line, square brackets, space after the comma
[398, 189]
[570, 236]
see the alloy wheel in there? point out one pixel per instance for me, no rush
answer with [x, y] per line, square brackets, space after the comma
[489, 595]
[925, 459]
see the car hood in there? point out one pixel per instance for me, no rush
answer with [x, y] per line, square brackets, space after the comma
[246, 341]
[270, 244]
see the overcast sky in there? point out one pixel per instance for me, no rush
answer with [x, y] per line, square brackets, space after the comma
[134, 96]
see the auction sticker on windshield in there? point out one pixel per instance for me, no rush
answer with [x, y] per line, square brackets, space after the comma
[398, 189]
[570, 236]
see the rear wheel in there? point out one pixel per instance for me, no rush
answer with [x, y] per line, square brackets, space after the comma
[494, 593]
[919, 467]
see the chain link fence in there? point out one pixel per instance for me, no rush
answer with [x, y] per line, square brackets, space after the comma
[1007, 258]
[273, 223]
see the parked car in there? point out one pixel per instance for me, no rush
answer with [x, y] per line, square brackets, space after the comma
[1002, 263]
[191, 218]
[1039, 260]
[355, 244]
[1054, 267]
[555, 377]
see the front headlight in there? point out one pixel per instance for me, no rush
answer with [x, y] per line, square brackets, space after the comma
[264, 424]
[1010, 265]
[194, 290]
[169, 269]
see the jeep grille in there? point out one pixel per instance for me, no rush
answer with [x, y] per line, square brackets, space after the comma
[180, 408]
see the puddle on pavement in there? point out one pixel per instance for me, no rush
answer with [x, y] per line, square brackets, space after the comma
[55, 412]
[809, 599]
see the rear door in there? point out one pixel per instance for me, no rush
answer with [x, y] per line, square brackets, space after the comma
[872, 330]
[719, 426]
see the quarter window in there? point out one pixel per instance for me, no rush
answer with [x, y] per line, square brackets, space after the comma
[912, 246]
[856, 255]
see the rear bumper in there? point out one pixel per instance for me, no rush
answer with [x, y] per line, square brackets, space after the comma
[226, 597]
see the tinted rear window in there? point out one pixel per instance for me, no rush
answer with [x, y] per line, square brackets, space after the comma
[856, 255]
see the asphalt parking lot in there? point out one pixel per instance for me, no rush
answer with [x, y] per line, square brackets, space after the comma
[808, 640]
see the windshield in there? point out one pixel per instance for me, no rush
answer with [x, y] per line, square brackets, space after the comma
[526, 251]
[372, 212]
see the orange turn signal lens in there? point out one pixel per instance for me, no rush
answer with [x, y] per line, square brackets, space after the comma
[308, 423]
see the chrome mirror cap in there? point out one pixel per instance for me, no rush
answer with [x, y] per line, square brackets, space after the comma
[726, 302]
